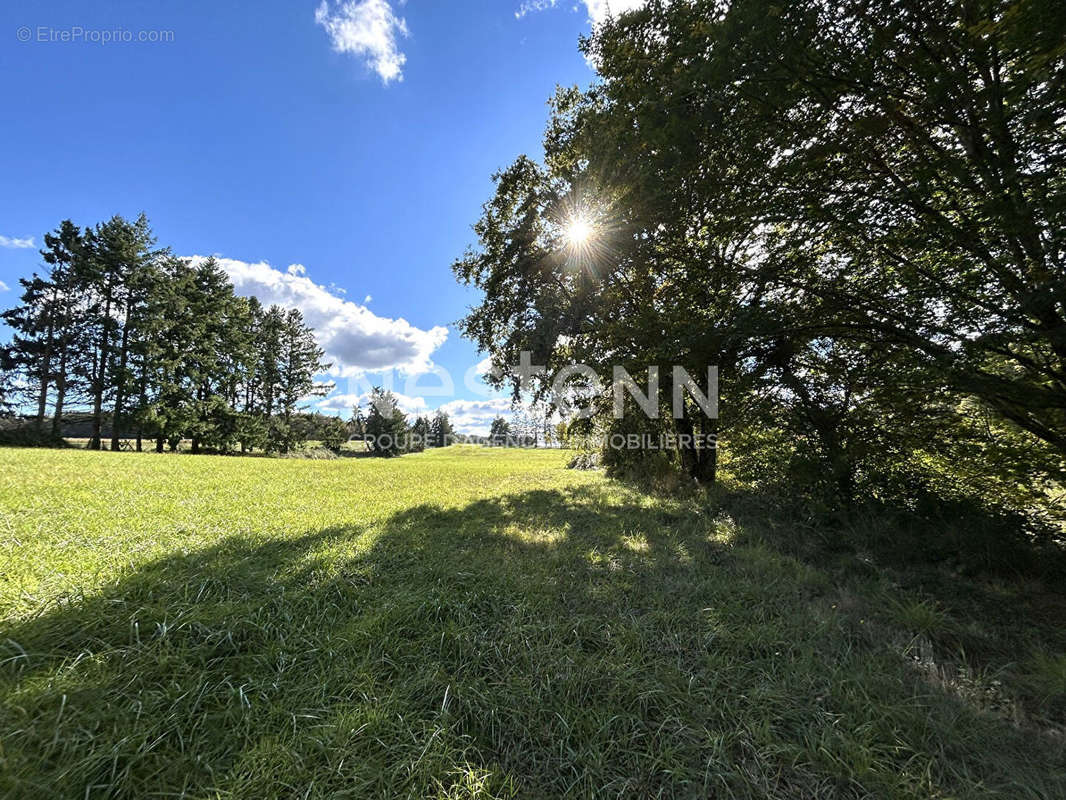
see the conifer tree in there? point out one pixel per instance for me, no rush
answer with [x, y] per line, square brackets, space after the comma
[443, 431]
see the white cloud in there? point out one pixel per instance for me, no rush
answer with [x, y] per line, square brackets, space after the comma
[598, 10]
[367, 299]
[355, 339]
[16, 243]
[368, 29]
[467, 416]
[344, 403]
[530, 6]
[4, 287]
[476, 416]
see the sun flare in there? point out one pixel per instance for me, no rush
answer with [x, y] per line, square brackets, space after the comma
[578, 231]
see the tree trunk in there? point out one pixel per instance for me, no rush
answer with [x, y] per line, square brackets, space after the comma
[142, 401]
[701, 463]
[841, 467]
[98, 400]
[707, 459]
[120, 387]
[46, 364]
[201, 394]
[100, 373]
[844, 476]
[42, 398]
[686, 451]
[61, 394]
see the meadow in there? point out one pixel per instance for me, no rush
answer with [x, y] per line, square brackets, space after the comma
[486, 623]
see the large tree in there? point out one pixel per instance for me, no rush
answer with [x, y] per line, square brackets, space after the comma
[817, 198]
[903, 163]
[48, 324]
[300, 360]
[118, 252]
[33, 323]
[64, 253]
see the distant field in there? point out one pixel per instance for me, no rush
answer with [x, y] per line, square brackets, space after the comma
[462, 623]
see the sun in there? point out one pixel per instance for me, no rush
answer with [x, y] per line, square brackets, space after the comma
[578, 231]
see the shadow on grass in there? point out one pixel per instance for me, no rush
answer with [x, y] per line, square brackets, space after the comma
[589, 642]
[991, 581]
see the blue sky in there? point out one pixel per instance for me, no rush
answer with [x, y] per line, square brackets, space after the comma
[335, 153]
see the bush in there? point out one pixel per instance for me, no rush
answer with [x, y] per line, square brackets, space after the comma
[334, 434]
[312, 453]
[642, 463]
[584, 460]
[29, 437]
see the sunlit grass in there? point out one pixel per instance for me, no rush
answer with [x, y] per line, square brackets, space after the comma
[917, 616]
[461, 623]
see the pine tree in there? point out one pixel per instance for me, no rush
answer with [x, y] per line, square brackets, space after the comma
[44, 323]
[162, 344]
[169, 384]
[244, 378]
[138, 323]
[150, 351]
[31, 348]
[386, 425]
[442, 431]
[421, 434]
[116, 251]
[300, 359]
[358, 421]
[212, 305]
[268, 346]
[64, 252]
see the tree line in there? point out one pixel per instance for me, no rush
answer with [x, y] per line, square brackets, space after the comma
[387, 432]
[856, 210]
[385, 429]
[154, 346]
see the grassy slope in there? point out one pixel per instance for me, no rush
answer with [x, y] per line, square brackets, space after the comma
[456, 624]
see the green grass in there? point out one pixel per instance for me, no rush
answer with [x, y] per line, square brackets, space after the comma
[479, 623]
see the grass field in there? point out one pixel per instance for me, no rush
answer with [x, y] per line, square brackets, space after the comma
[483, 623]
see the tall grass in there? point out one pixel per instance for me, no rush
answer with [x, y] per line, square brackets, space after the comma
[475, 623]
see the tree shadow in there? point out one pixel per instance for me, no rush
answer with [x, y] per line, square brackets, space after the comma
[584, 642]
[998, 577]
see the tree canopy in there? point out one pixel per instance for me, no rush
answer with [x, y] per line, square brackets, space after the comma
[855, 210]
